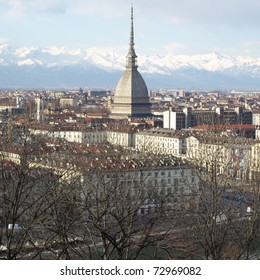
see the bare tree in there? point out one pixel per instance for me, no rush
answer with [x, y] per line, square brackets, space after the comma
[224, 229]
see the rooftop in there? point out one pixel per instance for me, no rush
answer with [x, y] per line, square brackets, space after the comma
[163, 132]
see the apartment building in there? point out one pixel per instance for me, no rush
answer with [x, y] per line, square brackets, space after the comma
[224, 154]
[174, 182]
[162, 141]
[179, 118]
[102, 167]
[72, 133]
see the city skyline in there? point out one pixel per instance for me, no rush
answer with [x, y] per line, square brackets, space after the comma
[160, 27]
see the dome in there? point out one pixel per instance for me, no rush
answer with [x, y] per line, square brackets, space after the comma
[132, 86]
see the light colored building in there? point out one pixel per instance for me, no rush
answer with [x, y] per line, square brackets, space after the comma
[226, 155]
[150, 178]
[256, 117]
[72, 134]
[161, 141]
[40, 106]
[124, 139]
[87, 135]
[257, 133]
[173, 120]
[230, 155]
[177, 119]
[255, 161]
[69, 102]
[177, 185]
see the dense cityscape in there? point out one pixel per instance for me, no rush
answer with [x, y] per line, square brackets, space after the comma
[129, 173]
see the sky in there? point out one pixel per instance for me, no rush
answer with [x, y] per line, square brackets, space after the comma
[187, 27]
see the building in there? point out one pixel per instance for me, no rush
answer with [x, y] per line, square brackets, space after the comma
[71, 133]
[177, 119]
[161, 141]
[40, 105]
[257, 133]
[68, 102]
[104, 169]
[202, 117]
[184, 118]
[123, 136]
[222, 154]
[160, 179]
[240, 130]
[238, 115]
[255, 162]
[131, 98]
[256, 117]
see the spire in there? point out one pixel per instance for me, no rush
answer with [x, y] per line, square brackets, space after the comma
[131, 56]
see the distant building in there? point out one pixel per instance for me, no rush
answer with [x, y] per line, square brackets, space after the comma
[202, 117]
[184, 118]
[72, 103]
[177, 119]
[238, 115]
[131, 98]
[72, 133]
[257, 133]
[40, 105]
[240, 130]
[256, 117]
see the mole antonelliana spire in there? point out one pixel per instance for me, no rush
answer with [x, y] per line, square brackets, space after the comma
[131, 99]
[131, 57]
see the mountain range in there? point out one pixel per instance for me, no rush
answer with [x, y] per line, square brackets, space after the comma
[59, 67]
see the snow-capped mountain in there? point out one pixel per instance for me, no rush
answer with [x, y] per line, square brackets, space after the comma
[93, 67]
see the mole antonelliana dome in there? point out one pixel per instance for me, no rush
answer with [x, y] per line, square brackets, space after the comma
[131, 99]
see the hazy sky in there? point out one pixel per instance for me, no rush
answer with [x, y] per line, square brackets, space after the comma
[179, 26]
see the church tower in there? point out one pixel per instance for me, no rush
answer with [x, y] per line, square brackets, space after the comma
[131, 99]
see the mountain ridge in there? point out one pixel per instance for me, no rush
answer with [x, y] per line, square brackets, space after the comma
[94, 67]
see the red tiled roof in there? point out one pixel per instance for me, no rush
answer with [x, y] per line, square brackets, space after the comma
[225, 126]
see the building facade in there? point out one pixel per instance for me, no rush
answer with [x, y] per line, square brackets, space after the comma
[161, 141]
[231, 156]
